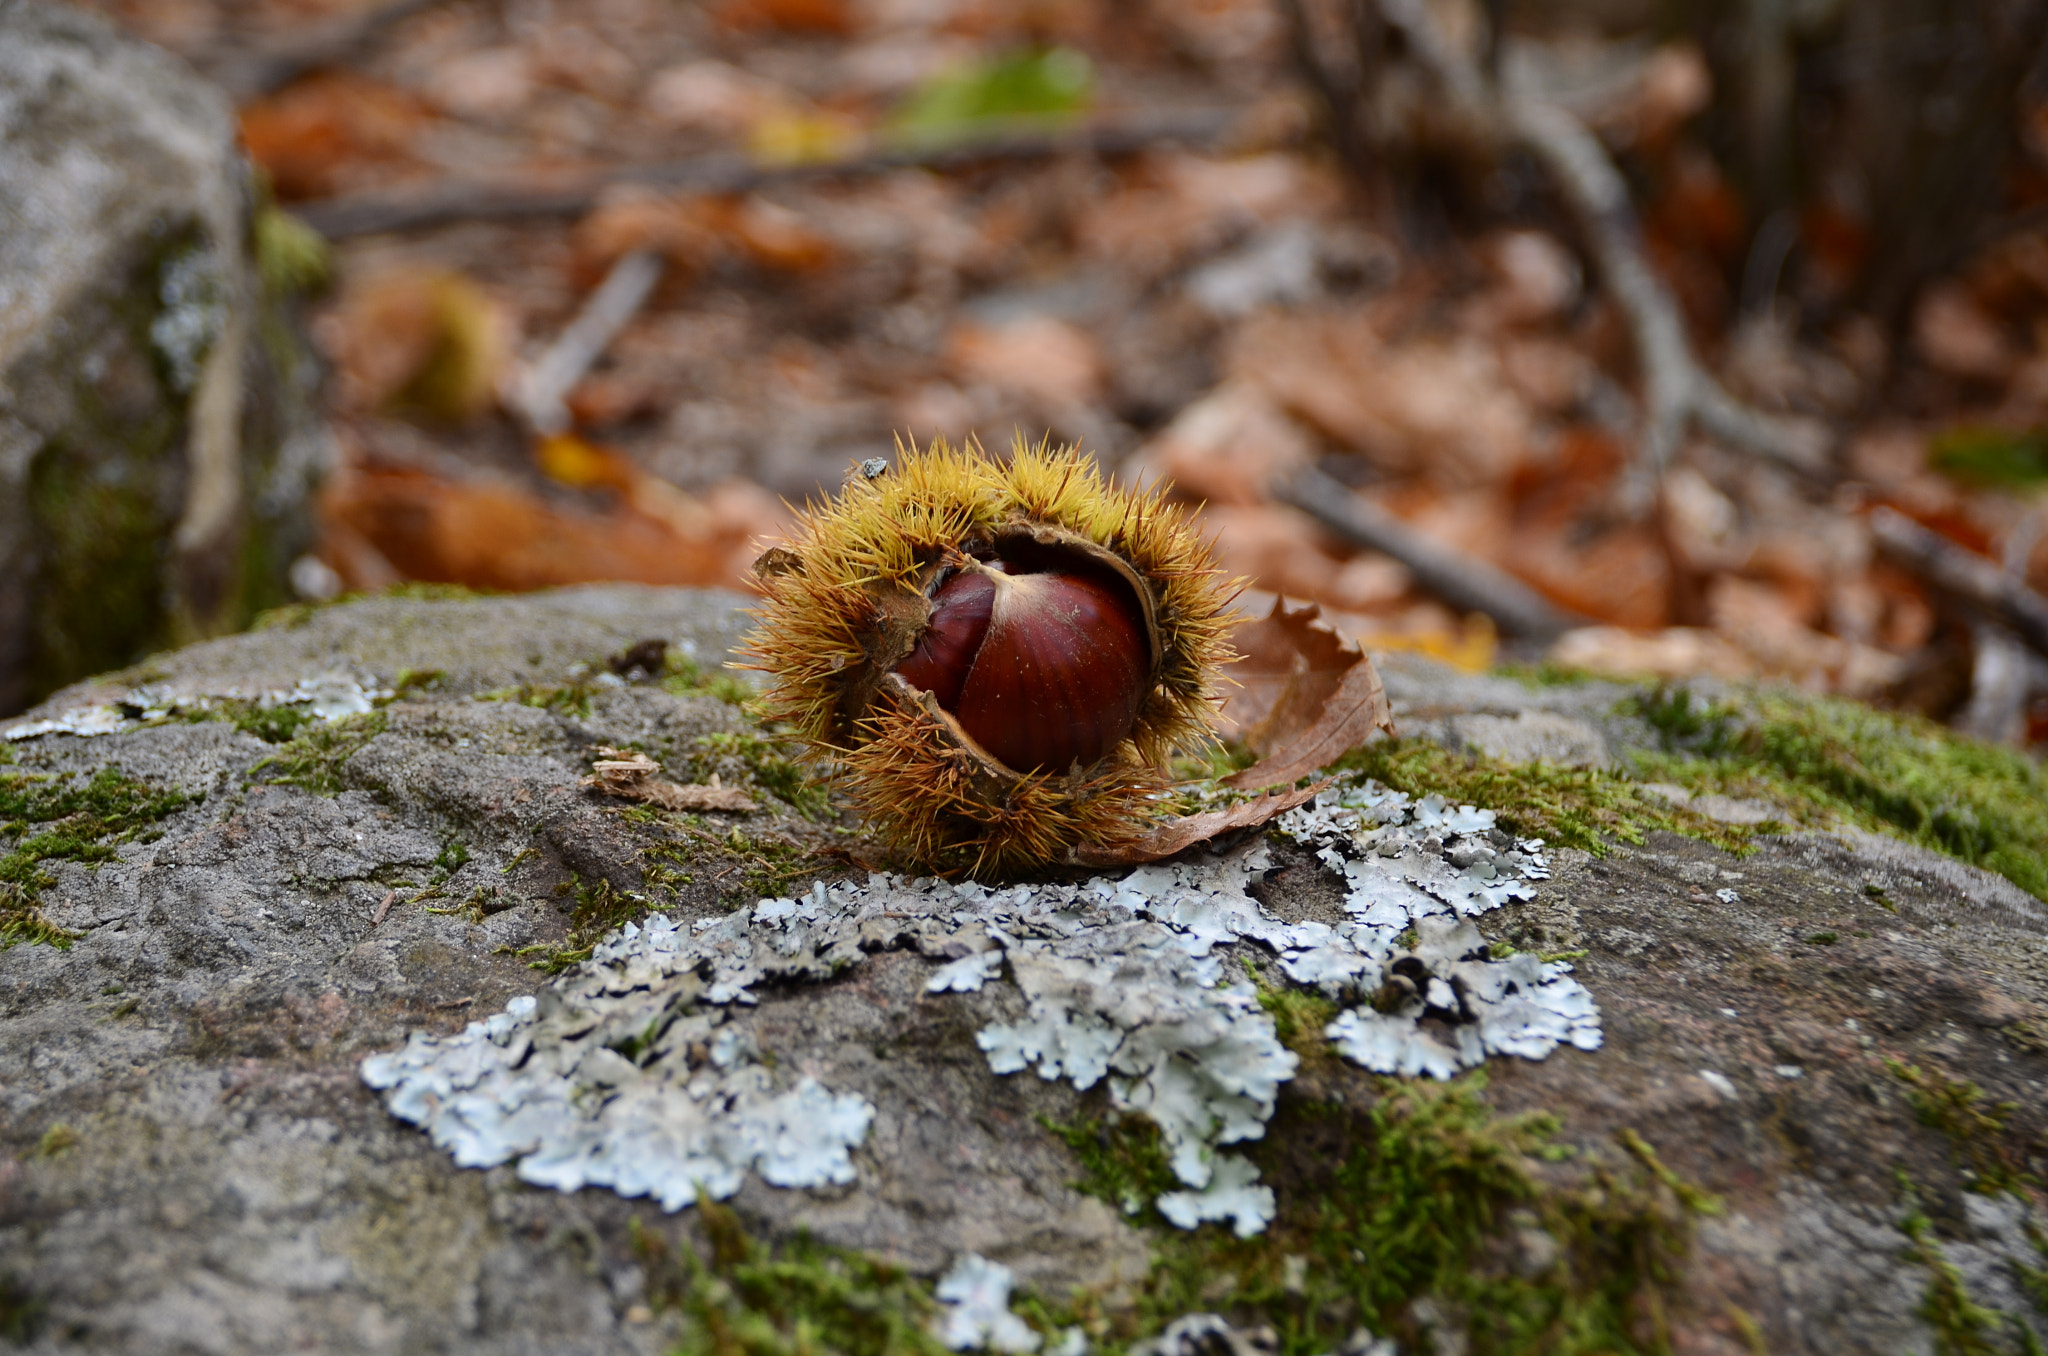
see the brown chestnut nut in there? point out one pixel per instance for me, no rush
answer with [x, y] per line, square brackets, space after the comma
[1044, 670]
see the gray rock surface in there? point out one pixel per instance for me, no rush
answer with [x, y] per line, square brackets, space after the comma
[190, 1160]
[156, 451]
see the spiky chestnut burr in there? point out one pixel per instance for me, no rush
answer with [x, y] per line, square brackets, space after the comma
[996, 658]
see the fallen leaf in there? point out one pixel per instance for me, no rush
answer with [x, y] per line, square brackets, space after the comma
[1226, 448]
[1307, 697]
[775, 237]
[635, 776]
[330, 132]
[1442, 408]
[1958, 337]
[629, 217]
[488, 533]
[1034, 355]
[713, 97]
[1177, 835]
[788, 16]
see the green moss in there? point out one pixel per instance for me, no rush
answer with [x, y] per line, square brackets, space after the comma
[1992, 458]
[1835, 760]
[685, 677]
[565, 699]
[1299, 1017]
[1547, 674]
[763, 756]
[1977, 1128]
[294, 615]
[314, 756]
[272, 725]
[291, 257]
[801, 1299]
[1962, 1327]
[2033, 1280]
[1428, 1194]
[99, 587]
[59, 817]
[594, 911]
[1581, 808]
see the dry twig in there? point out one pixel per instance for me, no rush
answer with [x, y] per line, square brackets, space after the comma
[412, 209]
[1964, 576]
[248, 74]
[543, 388]
[1465, 583]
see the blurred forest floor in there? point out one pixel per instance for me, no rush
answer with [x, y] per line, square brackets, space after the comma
[606, 284]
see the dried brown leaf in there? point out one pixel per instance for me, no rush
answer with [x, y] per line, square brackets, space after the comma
[1307, 696]
[1180, 834]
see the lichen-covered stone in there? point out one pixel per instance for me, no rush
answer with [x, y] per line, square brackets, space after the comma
[190, 1160]
[156, 446]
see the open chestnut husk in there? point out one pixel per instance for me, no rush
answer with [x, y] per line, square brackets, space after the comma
[996, 657]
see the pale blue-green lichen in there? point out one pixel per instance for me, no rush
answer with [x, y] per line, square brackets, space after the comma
[631, 1073]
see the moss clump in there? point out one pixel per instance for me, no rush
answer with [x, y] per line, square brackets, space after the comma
[271, 724]
[1547, 674]
[564, 699]
[594, 911]
[1299, 1016]
[293, 615]
[1835, 760]
[762, 755]
[1428, 1195]
[685, 677]
[1962, 1327]
[1956, 1107]
[60, 817]
[802, 1299]
[1566, 807]
[314, 755]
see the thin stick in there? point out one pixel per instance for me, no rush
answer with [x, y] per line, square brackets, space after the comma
[246, 75]
[1963, 575]
[1463, 582]
[413, 209]
[544, 387]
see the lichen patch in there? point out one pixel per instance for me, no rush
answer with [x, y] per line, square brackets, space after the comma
[633, 1071]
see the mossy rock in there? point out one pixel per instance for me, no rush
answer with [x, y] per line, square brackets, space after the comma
[1815, 1124]
[157, 446]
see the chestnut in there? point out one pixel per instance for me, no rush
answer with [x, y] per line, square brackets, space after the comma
[1045, 670]
[995, 658]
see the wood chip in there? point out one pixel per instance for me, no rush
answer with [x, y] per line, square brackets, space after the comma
[635, 776]
[377, 916]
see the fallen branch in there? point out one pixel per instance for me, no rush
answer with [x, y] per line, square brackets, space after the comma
[1677, 391]
[248, 74]
[1465, 583]
[1968, 578]
[413, 209]
[544, 387]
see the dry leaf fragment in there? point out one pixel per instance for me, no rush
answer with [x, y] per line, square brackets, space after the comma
[1307, 696]
[633, 776]
[1177, 835]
